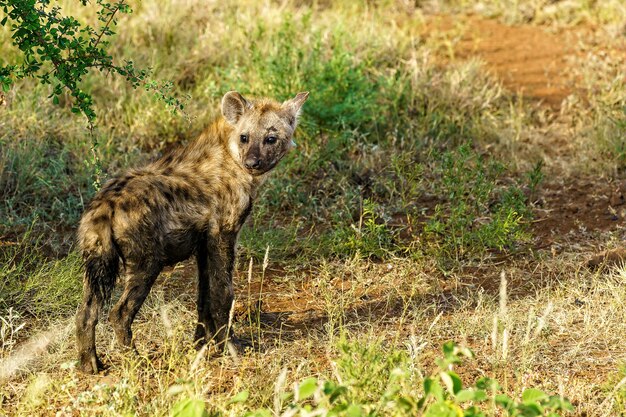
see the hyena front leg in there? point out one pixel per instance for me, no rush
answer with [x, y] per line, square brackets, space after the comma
[221, 261]
[206, 327]
[138, 284]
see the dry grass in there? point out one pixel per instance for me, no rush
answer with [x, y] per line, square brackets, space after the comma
[564, 332]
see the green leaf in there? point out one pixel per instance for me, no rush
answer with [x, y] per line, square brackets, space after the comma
[465, 395]
[448, 348]
[452, 381]
[4, 21]
[480, 395]
[240, 397]
[470, 395]
[559, 403]
[505, 402]
[354, 410]
[532, 395]
[443, 409]
[530, 410]
[189, 408]
[333, 391]
[473, 412]
[487, 384]
[432, 388]
[307, 388]
[55, 100]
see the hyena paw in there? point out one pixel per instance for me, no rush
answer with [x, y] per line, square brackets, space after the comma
[124, 337]
[89, 363]
[200, 337]
[240, 345]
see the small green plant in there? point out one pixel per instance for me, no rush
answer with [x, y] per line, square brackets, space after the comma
[477, 214]
[370, 237]
[189, 407]
[371, 383]
[535, 177]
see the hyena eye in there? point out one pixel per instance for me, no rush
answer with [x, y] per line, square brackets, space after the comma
[270, 139]
[243, 138]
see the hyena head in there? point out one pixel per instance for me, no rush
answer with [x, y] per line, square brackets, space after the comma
[262, 129]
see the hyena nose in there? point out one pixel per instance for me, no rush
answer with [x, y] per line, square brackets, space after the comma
[252, 163]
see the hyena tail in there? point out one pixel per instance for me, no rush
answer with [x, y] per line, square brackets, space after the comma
[102, 263]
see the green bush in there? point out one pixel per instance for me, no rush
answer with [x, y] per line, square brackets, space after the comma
[477, 213]
[345, 94]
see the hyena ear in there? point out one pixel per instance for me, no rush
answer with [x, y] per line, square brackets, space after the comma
[294, 106]
[233, 106]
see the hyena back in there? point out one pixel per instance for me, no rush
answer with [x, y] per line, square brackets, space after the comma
[190, 202]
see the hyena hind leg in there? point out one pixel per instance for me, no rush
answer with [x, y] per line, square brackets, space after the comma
[86, 320]
[122, 315]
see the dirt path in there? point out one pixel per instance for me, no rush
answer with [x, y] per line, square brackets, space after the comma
[528, 59]
[532, 61]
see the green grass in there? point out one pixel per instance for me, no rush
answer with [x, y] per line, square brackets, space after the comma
[42, 180]
[33, 285]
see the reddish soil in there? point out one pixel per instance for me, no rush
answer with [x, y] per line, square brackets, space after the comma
[532, 61]
[529, 60]
[578, 206]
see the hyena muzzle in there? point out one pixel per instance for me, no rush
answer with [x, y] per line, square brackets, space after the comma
[192, 201]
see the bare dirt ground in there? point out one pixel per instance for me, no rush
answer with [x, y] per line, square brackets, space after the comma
[535, 62]
[528, 60]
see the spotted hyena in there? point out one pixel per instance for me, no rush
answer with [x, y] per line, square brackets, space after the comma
[190, 202]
